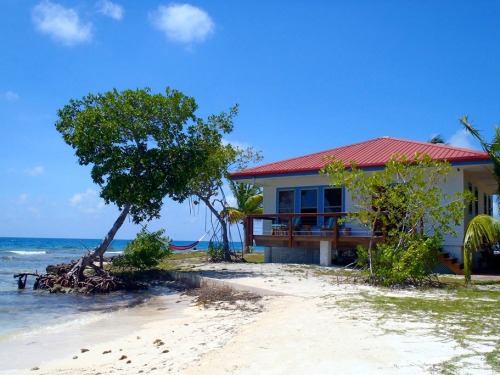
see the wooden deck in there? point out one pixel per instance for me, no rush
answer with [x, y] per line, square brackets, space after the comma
[306, 236]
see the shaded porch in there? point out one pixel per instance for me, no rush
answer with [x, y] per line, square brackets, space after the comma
[302, 232]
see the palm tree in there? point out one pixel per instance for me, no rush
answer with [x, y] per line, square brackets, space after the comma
[482, 230]
[437, 139]
[248, 201]
[493, 148]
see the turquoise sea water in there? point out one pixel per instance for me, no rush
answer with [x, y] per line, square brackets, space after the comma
[26, 313]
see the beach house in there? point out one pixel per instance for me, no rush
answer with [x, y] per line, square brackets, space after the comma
[299, 223]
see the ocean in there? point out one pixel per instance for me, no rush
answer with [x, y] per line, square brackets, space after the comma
[27, 314]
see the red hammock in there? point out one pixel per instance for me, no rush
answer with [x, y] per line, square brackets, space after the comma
[186, 247]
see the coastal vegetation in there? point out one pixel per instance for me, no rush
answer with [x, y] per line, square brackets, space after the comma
[249, 200]
[483, 231]
[144, 252]
[206, 185]
[143, 147]
[491, 148]
[398, 202]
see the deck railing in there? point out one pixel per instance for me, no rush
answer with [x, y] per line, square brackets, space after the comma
[282, 226]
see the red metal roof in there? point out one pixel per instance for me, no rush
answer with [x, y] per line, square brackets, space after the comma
[368, 154]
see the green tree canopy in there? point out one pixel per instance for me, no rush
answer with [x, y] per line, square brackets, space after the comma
[136, 143]
[141, 147]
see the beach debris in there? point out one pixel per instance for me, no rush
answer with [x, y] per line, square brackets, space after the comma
[123, 357]
[84, 350]
[35, 368]
[129, 361]
[106, 352]
[165, 351]
[75, 357]
[158, 342]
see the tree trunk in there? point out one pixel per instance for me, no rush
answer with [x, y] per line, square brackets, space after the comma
[223, 225]
[88, 259]
[246, 248]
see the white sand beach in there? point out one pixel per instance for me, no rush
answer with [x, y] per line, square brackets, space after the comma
[304, 324]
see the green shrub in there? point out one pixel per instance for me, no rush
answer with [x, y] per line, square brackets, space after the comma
[216, 252]
[403, 264]
[146, 251]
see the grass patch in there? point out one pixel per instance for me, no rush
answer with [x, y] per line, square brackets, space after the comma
[186, 261]
[467, 315]
[493, 359]
[254, 257]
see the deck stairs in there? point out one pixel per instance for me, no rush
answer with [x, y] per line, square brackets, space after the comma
[451, 263]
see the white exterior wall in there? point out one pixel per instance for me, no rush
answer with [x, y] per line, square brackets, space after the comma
[454, 244]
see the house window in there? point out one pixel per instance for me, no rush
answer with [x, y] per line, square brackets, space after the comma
[286, 203]
[309, 205]
[332, 200]
[485, 204]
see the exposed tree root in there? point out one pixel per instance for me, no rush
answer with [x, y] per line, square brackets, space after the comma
[67, 282]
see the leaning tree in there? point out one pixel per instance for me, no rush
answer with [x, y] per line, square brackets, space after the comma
[207, 185]
[142, 147]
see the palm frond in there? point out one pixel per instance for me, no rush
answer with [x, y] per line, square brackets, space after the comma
[482, 230]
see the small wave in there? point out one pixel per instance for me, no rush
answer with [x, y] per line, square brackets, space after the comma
[80, 320]
[7, 257]
[21, 252]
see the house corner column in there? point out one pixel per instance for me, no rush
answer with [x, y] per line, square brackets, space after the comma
[268, 254]
[325, 253]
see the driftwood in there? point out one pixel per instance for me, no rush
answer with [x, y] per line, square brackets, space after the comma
[22, 277]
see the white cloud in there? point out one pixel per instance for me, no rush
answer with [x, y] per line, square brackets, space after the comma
[461, 138]
[11, 96]
[30, 205]
[62, 24]
[109, 9]
[88, 202]
[22, 199]
[183, 23]
[36, 171]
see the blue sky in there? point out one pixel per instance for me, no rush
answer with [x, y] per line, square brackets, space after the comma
[308, 76]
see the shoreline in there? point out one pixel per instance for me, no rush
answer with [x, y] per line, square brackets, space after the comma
[39, 347]
[305, 324]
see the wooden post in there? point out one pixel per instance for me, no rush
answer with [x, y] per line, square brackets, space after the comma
[335, 233]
